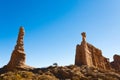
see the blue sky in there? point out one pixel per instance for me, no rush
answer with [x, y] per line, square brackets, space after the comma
[53, 28]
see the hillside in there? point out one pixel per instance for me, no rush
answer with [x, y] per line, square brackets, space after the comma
[71, 72]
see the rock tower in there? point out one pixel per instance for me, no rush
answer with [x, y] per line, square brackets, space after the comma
[83, 55]
[18, 55]
[87, 54]
[116, 63]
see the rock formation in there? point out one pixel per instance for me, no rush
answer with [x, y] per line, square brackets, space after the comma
[18, 55]
[83, 55]
[87, 54]
[116, 63]
[70, 72]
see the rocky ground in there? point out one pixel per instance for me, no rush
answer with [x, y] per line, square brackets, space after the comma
[71, 72]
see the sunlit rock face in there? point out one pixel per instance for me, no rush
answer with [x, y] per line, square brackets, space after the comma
[83, 55]
[87, 54]
[116, 63]
[18, 55]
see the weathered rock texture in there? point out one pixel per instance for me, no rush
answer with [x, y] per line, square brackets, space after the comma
[116, 63]
[87, 54]
[70, 72]
[18, 55]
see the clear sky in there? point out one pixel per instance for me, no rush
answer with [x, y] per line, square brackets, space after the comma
[53, 28]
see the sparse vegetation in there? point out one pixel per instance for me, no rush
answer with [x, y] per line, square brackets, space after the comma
[55, 64]
[71, 72]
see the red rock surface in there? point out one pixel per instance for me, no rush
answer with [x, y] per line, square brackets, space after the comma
[87, 54]
[18, 55]
[116, 63]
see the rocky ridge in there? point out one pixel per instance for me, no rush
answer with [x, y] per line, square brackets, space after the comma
[71, 72]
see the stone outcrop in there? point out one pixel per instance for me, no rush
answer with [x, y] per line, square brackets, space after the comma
[18, 55]
[116, 63]
[87, 54]
[70, 72]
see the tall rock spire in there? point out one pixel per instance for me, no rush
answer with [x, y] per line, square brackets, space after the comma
[83, 36]
[20, 44]
[18, 55]
[83, 55]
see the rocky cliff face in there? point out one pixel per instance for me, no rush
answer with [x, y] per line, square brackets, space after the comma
[18, 55]
[83, 55]
[87, 54]
[116, 63]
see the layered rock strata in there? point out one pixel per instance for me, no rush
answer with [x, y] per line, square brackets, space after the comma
[18, 55]
[87, 54]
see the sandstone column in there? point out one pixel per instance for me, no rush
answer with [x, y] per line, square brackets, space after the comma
[83, 55]
[18, 55]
